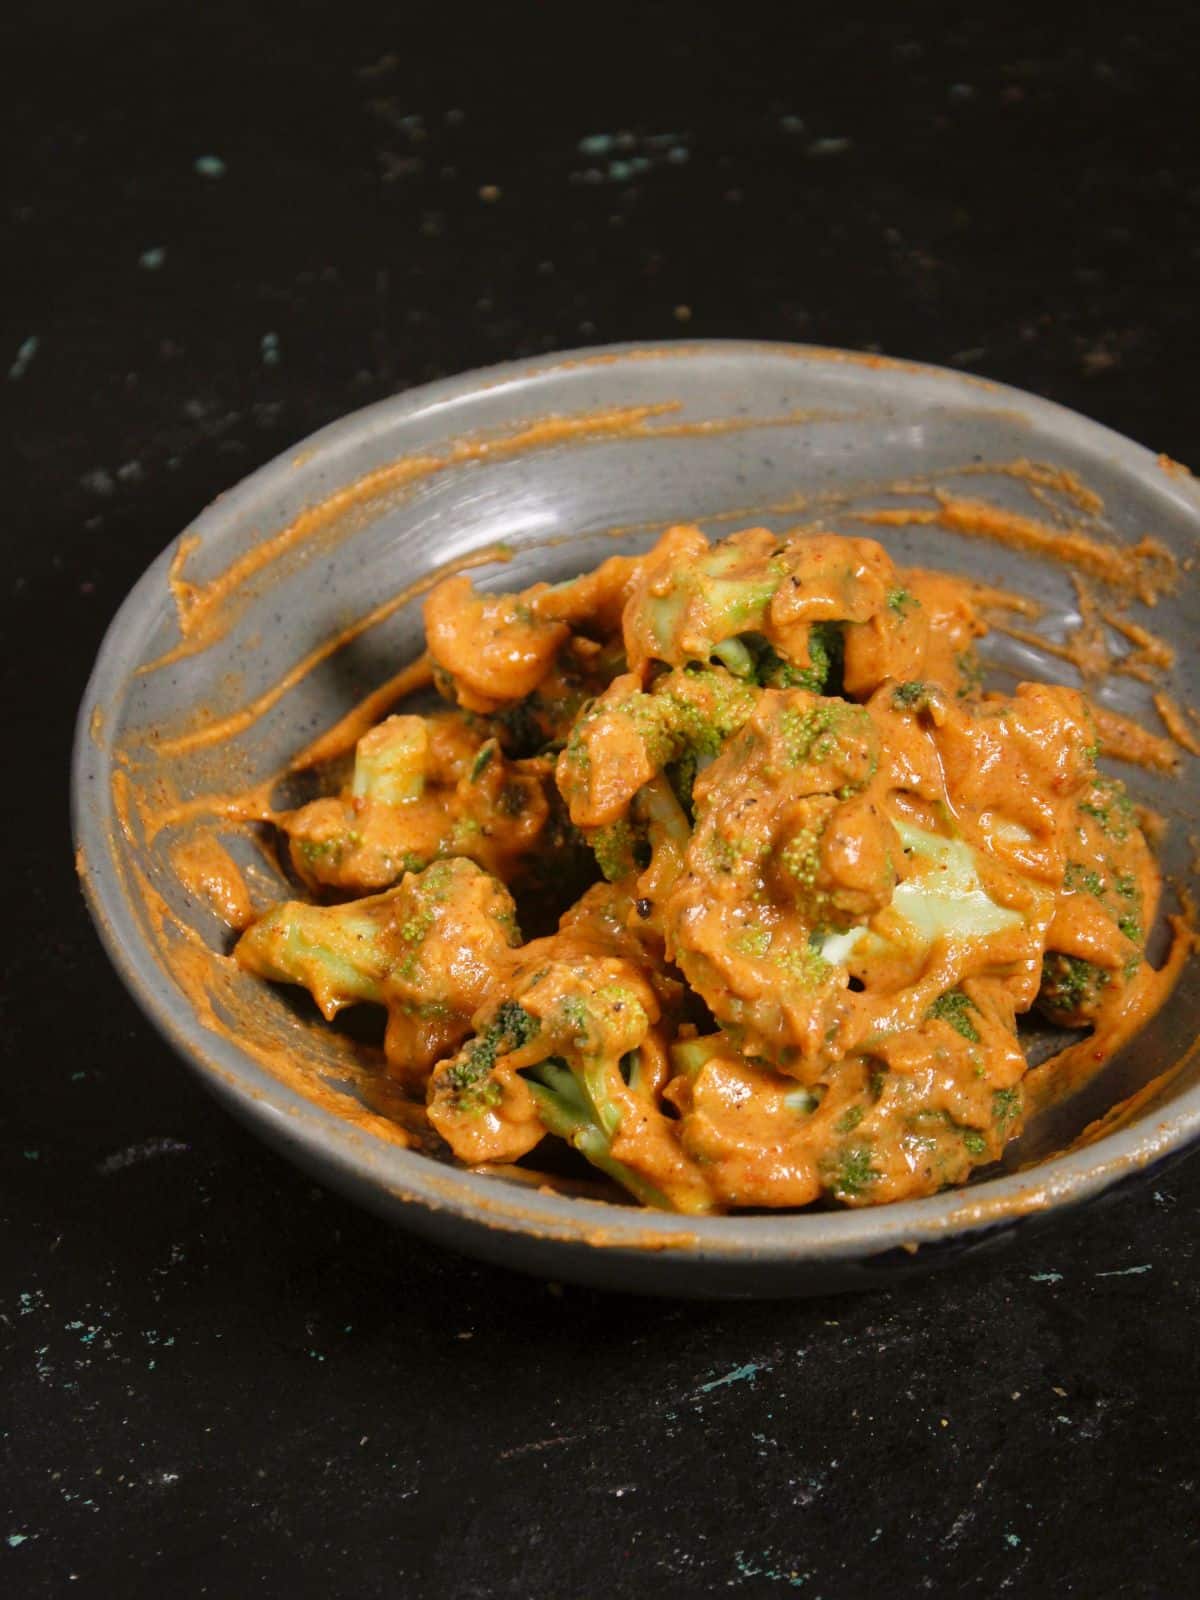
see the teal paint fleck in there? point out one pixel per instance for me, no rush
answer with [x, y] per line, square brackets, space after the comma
[1124, 1272]
[153, 258]
[747, 1569]
[596, 144]
[1012, 1539]
[677, 155]
[791, 124]
[209, 166]
[269, 344]
[33, 1155]
[618, 171]
[1045, 1277]
[15, 1539]
[830, 147]
[26, 351]
[738, 1375]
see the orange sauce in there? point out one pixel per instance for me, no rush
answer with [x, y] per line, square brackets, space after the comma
[208, 872]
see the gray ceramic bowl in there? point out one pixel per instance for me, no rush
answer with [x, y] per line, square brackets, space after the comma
[566, 460]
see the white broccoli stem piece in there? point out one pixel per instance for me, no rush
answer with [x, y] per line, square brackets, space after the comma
[391, 761]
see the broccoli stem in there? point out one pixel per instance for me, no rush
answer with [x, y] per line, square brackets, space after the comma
[335, 952]
[574, 1106]
[390, 762]
[734, 655]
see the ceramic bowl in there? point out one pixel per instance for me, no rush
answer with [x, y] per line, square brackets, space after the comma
[300, 590]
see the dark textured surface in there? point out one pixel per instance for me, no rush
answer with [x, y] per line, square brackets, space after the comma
[219, 1380]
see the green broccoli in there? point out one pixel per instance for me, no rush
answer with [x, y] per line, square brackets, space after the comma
[711, 598]
[467, 1081]
[580, 1060]
[578, 1107]
[340, 954]
[911, 696]
[901, 601]
[836, 731]
[850, 1173]
[954, 1007]
[400, 949]
[752, 658]
[1007, 1106]
[511, 1029]
[628, 736]
[1109, 804]
[1071, 990]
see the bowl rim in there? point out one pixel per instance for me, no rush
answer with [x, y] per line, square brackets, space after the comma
[403, 1181]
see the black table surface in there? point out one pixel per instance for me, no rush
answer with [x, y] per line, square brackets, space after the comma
[226, 225]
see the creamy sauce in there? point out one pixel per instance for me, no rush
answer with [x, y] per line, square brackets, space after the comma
[207, 871]
[217, 730]
[348, 730]
[207, 610]
[1126, 740]
[1145, 569]
[1174, 723]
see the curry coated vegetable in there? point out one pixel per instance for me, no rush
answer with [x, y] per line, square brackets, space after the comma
[822, 872]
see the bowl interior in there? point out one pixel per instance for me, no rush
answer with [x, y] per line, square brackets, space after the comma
[300, 591]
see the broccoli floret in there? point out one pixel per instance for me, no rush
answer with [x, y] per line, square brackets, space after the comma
[850, 1173]
[822, 675]
[580, 1042]
[466, 1081]
[1111, 807]
[713, 597]
[627, 736]
[402, 950]
[576, 1106]
[911, 696]
[800, 857]
[613, 849]
[901, 601]
[1077, 878]
[830, 730]
[1071, 989]
[1006, 1106]
[340, 954]
[954, 1007]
